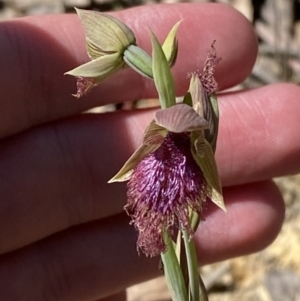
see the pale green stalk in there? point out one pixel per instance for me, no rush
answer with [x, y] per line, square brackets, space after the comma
[173, 272]
[192, 264]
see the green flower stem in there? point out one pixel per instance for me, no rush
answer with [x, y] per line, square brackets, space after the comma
[203, 293]
[173, 273]
[192, 264]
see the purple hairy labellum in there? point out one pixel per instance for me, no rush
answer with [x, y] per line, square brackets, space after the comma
[169, 177]
[162, 190]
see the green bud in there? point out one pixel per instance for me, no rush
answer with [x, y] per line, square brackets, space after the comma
[106, 40]
[138, 60]
[104, 33]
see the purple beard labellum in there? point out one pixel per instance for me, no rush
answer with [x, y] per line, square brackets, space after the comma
[162, 189]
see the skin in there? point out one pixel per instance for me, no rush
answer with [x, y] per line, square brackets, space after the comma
[63, 233]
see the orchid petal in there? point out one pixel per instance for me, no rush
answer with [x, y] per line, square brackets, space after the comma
[198, 95]
[207, 163]
[180, 118]
[100, 68]
[153, 139]
[207, 107]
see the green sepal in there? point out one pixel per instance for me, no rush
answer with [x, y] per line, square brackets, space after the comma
[187, 99]
[214, 129]
[136, 58]
[162, 75]
[99, 69]
[205, 158]
[195, 220]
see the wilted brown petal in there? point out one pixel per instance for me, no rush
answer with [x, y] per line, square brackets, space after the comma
[207, 74]
[84, 84]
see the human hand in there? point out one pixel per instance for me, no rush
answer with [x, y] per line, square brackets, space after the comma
[63, 233]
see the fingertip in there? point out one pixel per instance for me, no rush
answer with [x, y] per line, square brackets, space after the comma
[258, 136]
[254, 219]
[52, 45]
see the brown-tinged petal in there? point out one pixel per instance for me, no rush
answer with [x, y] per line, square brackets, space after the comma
[84, 85]
[100, 68]
[104, 32]
[153, 139]
[198, 95]
[154, 134]
[203, 105]
[180, 118]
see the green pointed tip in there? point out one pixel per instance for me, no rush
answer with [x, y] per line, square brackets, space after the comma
[170, 45]
[162, 74]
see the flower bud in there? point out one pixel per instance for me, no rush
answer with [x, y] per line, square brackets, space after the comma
[106, 40]
[138, 60]
[104, 33]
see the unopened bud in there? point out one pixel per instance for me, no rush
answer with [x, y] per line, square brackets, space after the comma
[138, 60]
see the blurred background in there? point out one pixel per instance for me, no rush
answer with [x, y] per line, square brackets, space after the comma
[273, 274]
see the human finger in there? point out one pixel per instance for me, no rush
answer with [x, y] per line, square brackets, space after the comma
[73, 160]
[99, 259]
[121, 296]
[36, 51]
[258, 136]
